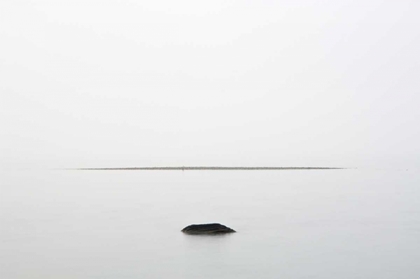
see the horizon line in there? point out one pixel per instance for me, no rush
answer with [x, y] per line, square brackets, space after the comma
[214, 168]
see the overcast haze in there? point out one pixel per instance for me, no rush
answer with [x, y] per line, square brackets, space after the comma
[252, 83]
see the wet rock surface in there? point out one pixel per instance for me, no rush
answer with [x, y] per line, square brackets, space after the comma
[213, 228]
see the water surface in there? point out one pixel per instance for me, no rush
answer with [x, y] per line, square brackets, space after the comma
[290, 224]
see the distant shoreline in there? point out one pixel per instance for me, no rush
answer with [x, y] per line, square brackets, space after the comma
[215, 168]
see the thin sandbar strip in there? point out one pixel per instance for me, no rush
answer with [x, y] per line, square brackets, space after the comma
[215, 168]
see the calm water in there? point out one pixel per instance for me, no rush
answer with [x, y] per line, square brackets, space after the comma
[291, 224]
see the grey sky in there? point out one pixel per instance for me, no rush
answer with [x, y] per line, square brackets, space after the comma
[151, 83]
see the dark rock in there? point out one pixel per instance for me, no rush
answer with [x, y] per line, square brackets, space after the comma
[207, 229]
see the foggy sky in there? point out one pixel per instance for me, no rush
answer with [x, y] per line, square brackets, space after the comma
[235, 83]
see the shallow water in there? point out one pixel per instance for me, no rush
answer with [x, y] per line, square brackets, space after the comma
[290, 224]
